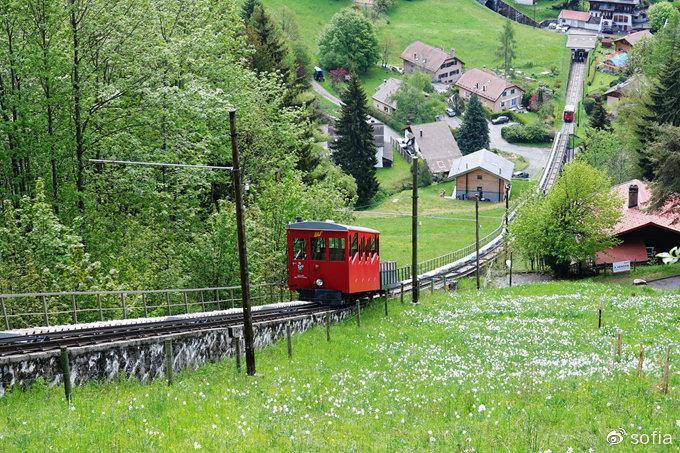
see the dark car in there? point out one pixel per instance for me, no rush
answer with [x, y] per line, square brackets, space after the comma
[521, 175]
[500, 120]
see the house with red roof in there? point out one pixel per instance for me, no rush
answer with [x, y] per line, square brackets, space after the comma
[642, 233]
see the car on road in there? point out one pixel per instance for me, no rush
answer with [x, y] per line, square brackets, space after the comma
[500, 120]
[450, 112]
[520, 175]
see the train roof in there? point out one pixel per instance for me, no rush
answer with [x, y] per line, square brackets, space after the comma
[328, 226]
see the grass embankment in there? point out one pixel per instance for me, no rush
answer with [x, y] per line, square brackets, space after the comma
[541, 10]
[445, 225]
[525, 369]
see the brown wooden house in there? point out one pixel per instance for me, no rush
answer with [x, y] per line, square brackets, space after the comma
[482, 173]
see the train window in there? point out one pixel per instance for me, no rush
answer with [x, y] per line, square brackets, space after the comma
[374, 244]
[336, 249]
[362, 248]
[299, 249]
[318, 249]
[355, 245]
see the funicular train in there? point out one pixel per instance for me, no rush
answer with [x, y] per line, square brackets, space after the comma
[331, 263]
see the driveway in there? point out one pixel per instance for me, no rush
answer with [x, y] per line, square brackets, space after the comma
[388, 131]
[536, 156]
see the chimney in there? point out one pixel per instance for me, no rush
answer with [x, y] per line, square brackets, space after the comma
[632, 196]
[421, 132]
[483, 87]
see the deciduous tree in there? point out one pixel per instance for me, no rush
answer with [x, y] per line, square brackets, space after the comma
[506, 47]
[348, 41]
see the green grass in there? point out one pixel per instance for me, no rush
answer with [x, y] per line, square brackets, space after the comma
[395, 178]
[541, 11]
[644, 272]
[464, 25]
[445, 225]
[525, 369]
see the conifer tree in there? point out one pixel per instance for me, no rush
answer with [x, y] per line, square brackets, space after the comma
[598, 116]
[663, 107]
[248, 9]
[474, 132]
[354, 151]
[272, 54]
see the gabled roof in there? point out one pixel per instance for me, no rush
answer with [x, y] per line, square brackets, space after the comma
[484, 160]
[485, 84]
[385, 92]
[638, 217]
[636, 37]
[327, 226]
[436, 145]
[568, 14]
[426, 56]
[633, 84]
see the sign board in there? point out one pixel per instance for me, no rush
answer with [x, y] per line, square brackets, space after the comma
[621, 266]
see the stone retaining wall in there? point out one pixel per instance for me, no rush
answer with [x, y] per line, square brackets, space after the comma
[144, 359]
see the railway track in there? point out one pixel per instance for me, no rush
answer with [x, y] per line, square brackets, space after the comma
[43, 340]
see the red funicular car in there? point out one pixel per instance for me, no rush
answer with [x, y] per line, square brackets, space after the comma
[333, 263]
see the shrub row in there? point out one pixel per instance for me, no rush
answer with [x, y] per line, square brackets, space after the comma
[529, 133]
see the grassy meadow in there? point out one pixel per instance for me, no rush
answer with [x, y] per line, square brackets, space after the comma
[445, 224]
[524, 369]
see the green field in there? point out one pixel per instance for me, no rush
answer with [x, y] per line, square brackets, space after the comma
[464, 25]
[542, 10]
[445, 225]
[525, 369]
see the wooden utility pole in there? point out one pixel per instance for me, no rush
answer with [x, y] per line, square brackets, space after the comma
[248, 335]
[477, 239]
[414, 233]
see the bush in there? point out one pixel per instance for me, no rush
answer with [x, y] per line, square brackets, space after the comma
[514, 116]
[588, 104]
[530, 133]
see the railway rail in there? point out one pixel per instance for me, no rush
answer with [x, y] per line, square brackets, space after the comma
[43, 339]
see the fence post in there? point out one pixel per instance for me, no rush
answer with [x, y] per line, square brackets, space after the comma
[281, 294]
[619, 344]
[289, 341]
[66, 373]
[432, 285]
[237, 352]
[167, 300]
[358, 313]
[401, 293]
[122, 303]
[44, 304]
[167, 349]
[101, 309]
[217, 299]
[599, 315]
[328, 326]
[641, 359]
[665, 382]
[186, 302]
[385, 301]
[231, 296]
[74, 308]
[146, 308]
[4, 313]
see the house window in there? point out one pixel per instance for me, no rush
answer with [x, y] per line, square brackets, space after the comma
[505, 93]
[514, 102]
[512, 91]
[479, 177]
[502, 104]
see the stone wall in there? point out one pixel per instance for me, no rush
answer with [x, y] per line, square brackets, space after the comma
[144, 359]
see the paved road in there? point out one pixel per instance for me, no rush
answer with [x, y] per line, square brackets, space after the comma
[536, 156]
[665, 283]
[389, 132]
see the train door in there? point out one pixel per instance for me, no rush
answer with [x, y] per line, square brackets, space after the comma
[318, 257]
[300, 268]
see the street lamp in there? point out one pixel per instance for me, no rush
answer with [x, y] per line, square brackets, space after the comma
[235, 170]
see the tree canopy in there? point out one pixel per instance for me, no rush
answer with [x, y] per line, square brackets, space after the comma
[348, 41]
[415, 100]
[572, 222]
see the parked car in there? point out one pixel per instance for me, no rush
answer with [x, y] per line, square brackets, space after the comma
[500, 120]
[520, 175]
[450, 112]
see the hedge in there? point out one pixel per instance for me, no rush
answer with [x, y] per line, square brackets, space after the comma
[530, 133]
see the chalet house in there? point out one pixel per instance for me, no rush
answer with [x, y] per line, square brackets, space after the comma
[482, 173]
[441, 66]
[642, 234]
[383, 99]
[434, 143]
[626, 43]
[631, 86]
[496, 93]
[617, 15]
[579, 19]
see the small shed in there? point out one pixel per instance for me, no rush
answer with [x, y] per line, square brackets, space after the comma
[482, 173]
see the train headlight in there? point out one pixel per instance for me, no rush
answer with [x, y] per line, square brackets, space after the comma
[319, 282]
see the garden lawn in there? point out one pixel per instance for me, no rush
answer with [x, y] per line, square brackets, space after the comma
[445, 224]
[525, 369]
